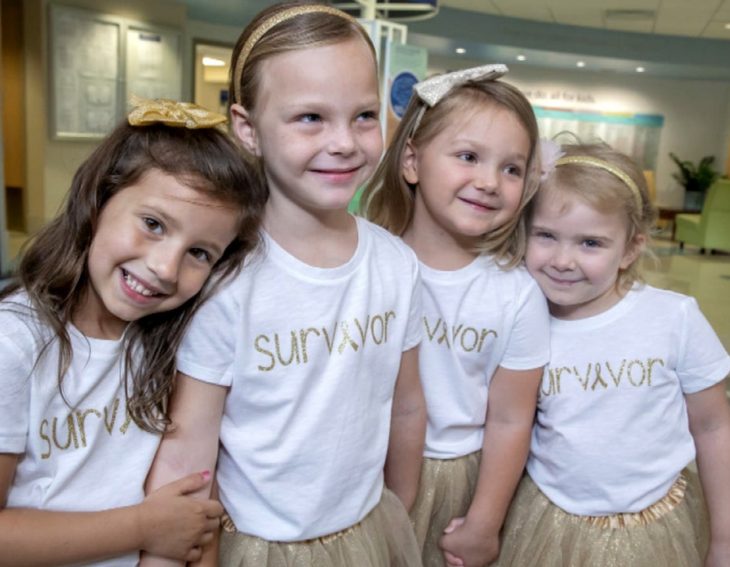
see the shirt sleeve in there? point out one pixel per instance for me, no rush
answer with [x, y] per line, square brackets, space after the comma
[529, 338]
[703, 360]
[16, 366]
[414, 330]
[208, 349]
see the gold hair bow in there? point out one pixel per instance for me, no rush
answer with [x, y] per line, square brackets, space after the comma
[173, 113]
[432, 90]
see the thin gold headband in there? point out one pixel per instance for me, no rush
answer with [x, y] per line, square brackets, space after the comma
[602, 164]
[269, 23]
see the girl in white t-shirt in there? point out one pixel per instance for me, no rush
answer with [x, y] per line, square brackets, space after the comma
[633, 393]
[460, 170]
[305, 366]
[88, 331]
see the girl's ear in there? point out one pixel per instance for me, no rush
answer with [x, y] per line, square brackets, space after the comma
[409, 164]
[244, 129]
[633, 249]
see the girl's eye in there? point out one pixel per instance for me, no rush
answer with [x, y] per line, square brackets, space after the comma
[201, 255]
[309, 118]
[591, 243]
[368, 115]
[513, 170]
[468, 157]
[542, 234]
[153, 225]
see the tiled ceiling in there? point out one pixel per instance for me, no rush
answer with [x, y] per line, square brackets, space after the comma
[690, 18]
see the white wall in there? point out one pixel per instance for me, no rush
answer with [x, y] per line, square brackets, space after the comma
[695, 113]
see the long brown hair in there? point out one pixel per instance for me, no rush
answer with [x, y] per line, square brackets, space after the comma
[53, 269]
[388, 200]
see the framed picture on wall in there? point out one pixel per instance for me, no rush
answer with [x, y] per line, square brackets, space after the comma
[85, 66]
[97, 61]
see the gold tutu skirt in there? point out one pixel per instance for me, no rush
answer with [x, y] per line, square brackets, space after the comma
[446, 490]
[674, 532]
[384, 538]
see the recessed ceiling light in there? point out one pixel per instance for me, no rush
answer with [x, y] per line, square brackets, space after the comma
[640, 69]
[580, 64]
[460, 50]
[521, 58]
[213, 62]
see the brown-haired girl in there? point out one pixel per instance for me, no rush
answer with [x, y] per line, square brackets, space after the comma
[633, 393]
[88, 333]
[306, 364]
[453, 184]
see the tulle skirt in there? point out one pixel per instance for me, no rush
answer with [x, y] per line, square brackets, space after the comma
[674, 532]
[384, 538]
[446, 490]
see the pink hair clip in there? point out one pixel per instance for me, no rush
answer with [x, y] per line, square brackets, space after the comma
[550, 153]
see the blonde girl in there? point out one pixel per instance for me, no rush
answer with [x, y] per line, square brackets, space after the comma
[633, 393]
[88, 332]
[305, 366]
[453, 184]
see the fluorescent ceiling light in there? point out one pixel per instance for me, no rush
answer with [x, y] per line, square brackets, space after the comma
[460, 50]
[580, 64]
[521, 58]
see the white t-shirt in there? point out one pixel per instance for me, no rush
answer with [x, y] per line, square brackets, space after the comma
[475, 319]
[311, 356]
[612, 432]
[87, 457]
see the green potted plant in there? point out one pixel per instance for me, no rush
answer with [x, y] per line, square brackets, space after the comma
[695, 179]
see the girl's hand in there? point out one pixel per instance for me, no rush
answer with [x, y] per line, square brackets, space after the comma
[176, 524]
[465, 545]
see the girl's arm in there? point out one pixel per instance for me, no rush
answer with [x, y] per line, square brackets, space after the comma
[166, 522]
[191, 442]
[407, 431]
[709, 422]
[474, 539]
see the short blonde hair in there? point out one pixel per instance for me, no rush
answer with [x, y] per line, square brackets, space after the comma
[605, 192]
[388, 198]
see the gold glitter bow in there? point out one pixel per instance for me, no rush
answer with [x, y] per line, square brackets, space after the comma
[173, 113]
[432, 90]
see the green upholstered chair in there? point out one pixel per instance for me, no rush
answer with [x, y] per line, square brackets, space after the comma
[711, 228]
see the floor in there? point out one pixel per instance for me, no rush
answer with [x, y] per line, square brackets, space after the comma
[706, 277]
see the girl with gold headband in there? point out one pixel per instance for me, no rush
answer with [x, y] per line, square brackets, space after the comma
[88, 332]
[454, 183]
[633, 393]
[305, 366]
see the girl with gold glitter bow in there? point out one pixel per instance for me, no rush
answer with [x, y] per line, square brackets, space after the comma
[305, 365]
[633, 392]
[88, 333]
[454, 182]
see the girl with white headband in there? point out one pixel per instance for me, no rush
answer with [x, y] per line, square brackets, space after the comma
[459, 172]
[633, 393]
[305, 365]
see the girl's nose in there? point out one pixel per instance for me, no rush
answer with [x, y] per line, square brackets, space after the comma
[342, 140]
[486, 179]
[164, 262]
[562, 259]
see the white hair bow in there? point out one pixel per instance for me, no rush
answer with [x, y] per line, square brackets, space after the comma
[432, 90]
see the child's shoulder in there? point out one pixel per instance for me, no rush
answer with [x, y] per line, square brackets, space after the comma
[650, 296]
[382, 240]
